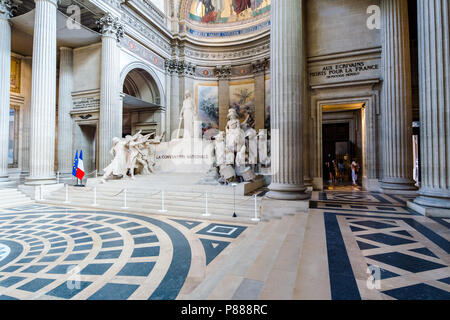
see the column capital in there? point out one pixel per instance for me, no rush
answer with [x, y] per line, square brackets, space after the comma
[223, 72]
[7, 8]
[182, 68]
[110, 26]
[260, 66]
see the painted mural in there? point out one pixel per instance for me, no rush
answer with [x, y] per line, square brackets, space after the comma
[227, 11]
[207, 100]
[242, 98]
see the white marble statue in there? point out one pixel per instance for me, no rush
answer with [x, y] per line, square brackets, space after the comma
[262, 147]
[240, 157]
[234, 133]
[135, 154]
[219, 146]
[188, 115]
[252, 136]
[229, 156]
[118, 166]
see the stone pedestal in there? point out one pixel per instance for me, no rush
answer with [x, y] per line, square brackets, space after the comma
[110, 125]
[287, 81]
[434, 82]
[65, 157]
[397, 99]
[43, 95]
[5, 74]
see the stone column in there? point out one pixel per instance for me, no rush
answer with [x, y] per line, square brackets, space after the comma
[5, 80]
[65, 157]
[434, 81]
[259, 69]
[26, 113]
[223, 73]
[287, 81]
[174, 102]
[110, 125]
[397, 99]
[43, 95]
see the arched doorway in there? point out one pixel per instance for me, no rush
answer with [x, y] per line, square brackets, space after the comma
[142, 107]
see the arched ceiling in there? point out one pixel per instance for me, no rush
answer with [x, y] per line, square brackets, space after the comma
[225, 20]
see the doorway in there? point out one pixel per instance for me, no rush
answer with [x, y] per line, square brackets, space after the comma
[342, 143]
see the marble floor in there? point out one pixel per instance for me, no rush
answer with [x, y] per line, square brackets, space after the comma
[351, 245]
[377, 248]
[49, 252]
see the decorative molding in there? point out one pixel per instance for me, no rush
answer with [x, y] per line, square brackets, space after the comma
[145, 30]
[142, 52]
[110, 26]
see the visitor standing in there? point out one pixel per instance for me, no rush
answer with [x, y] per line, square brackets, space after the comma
[355, 170]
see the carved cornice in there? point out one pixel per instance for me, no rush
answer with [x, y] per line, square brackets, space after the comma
[223, 72]
[110, 26]
[240, 53]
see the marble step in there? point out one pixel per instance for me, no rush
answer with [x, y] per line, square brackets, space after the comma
[261, 264]
[12, 197]
[197, 204]
[264, 267]
[221, 266]
[157, 192]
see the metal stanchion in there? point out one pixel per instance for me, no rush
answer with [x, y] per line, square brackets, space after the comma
[234, 199]
[67, 194]
[256, 219]
[206, 214]
[163, 208]
[57, 177]
[125, 200]
[95, 198]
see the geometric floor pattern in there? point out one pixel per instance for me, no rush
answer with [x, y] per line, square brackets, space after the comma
[375, 243]
[49, 252]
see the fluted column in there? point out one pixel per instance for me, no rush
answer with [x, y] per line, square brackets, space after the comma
[64, 108]
[434, 82]
[5, 75]
[43, 95]
[287, 100]
[397, 99]
[110, 106]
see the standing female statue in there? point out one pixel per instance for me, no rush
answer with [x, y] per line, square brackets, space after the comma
[188, 114]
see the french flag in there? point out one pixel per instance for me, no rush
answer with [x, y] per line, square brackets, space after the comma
[80, 167]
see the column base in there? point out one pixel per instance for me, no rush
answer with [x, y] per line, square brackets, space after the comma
[287, 192]
[371, 185]
[318, 184]
[429, 211]
[398, 186]
[34, 181]
[5, 181]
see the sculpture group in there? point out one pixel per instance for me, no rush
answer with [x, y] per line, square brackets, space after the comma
[231, 154]
[130, 154]
[236, 153]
